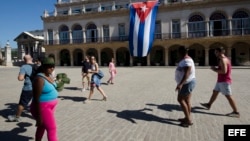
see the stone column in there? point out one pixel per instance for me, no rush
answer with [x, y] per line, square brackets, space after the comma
[229, 52]
[8, 61]
[206, 56]
[166, 56]
[70, 11]
[211, 28]
[99, 56]
[131, 61]
[84, 36]
[148, 60]
[36, 50]
[113, 6]
[56, 38]
[83, 9]
[71, 58]
[22, 52]
[55, 12]
[230, 26]
[70, 37]
[207, 28]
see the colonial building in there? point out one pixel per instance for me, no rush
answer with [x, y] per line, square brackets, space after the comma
[77, 28]
[30, 42]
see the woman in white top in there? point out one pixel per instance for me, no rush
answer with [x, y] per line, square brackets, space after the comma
[95, 80]
[185, 79]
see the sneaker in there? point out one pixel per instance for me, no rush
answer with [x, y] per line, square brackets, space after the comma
[83, 89]
[234, 114]
[14, 118]
[206, 105]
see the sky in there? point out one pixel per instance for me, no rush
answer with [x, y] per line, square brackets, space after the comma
[17, 16]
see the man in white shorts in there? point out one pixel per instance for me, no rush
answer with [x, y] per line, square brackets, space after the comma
[224, 81]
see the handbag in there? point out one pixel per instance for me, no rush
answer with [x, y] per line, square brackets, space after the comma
[100, 74]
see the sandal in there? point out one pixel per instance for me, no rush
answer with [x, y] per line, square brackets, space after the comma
[186, 124]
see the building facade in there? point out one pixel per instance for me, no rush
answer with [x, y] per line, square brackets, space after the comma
[77, 28]
[30, 42]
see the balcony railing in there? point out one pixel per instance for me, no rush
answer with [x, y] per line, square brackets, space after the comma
[158, 36]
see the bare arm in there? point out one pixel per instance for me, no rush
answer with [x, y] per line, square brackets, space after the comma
[187, 71]
[223, 63]
[96, 69]
[37, 91]
[21, 77]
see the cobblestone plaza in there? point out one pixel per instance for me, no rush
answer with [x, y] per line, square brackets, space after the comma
[142, 106]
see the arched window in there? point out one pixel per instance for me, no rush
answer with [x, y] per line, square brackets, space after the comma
[240, 23]
[64, 35]
[240, 14]
[218, 25]
[91, 33]
[196, 26]
[77, 34]
[195, 18]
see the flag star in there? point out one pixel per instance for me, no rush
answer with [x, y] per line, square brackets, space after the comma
[144, 8]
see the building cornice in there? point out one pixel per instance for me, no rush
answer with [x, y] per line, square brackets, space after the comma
[125, 12]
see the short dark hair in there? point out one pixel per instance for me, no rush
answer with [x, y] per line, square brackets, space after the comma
[183, 50]
[220, 49]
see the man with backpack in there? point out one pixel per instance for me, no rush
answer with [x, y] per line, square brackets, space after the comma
[26, 94]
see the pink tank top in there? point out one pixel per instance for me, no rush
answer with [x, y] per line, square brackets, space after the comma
[227, 76]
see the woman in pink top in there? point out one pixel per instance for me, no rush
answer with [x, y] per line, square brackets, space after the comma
[112, 71]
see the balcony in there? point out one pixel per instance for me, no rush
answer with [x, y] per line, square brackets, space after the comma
[158, 36]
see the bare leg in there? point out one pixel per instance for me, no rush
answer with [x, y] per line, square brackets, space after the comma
[232, 103]
[19, 110]
[184, 106]
[91, 92]
[213, 97]
[102, 93]
[187, 100]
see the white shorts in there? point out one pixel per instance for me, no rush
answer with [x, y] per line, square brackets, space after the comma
[223, 87]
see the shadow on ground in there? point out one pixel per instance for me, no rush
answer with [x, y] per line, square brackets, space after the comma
[11, 110]
[13, 135]
[174, 107]
[133, 115]
[73, 98]
[167, 107]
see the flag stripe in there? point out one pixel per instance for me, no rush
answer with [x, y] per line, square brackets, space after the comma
[142, 29]
[131, 31]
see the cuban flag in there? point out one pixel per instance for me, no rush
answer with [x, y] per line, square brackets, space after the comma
[142, 27]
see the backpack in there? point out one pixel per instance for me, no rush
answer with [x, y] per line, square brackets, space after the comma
[35, 70]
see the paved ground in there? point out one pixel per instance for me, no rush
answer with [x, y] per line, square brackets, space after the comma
[141, 106]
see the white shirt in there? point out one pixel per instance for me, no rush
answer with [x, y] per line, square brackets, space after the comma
[179, 72]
